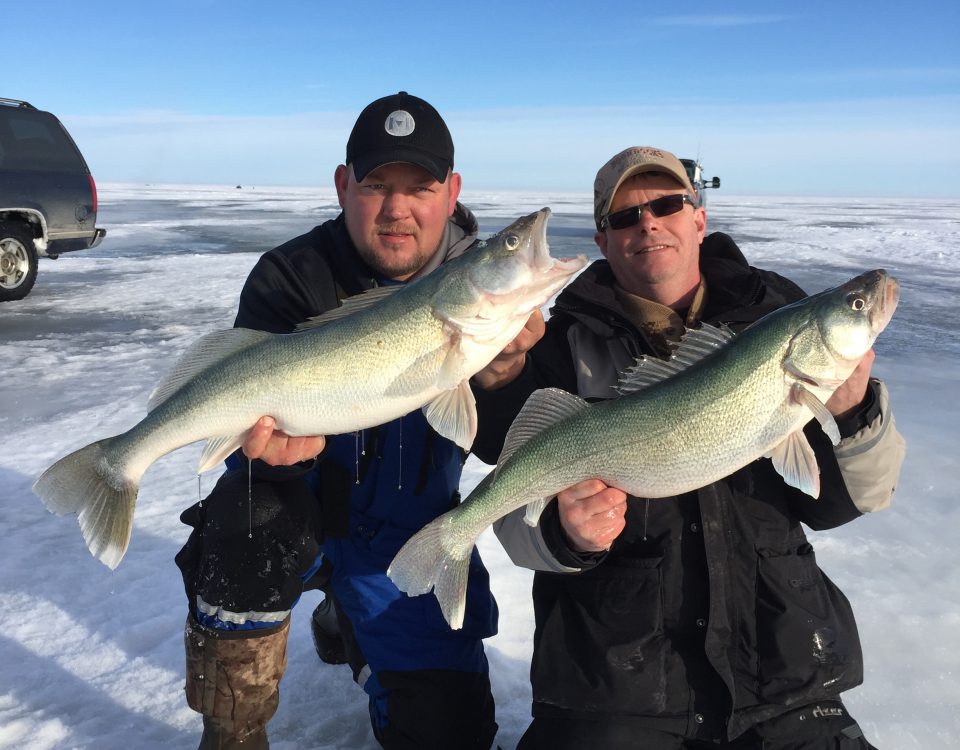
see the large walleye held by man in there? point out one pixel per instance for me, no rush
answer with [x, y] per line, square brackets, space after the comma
[721, 402]
[381, 355]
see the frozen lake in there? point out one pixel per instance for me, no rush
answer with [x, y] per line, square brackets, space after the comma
[93, 658]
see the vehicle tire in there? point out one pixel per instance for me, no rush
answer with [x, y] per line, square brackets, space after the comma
[18, 261]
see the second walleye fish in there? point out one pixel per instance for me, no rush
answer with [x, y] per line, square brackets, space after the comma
[719, 404]
[379, 356]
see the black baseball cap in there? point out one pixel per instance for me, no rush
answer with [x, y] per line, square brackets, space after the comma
[400, 128]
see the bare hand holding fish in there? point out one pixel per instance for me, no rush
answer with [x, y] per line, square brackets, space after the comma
[266, 443]
[592, 514]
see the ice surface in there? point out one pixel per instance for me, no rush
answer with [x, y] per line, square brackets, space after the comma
[94, 659]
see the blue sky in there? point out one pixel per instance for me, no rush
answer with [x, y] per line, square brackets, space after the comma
[810, 98]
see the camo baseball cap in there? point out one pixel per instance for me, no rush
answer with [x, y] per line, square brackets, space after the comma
[631, 161]
[400, 128]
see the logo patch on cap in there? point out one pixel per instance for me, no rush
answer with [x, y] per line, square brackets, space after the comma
[399, 123]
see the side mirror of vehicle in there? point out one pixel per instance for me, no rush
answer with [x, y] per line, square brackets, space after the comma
[715, 183]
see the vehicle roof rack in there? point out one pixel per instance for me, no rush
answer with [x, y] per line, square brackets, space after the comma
[16, 103]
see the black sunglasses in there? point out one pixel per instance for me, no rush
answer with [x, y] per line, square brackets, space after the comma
[662, 206]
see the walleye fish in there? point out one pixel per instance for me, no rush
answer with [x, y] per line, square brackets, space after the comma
[381, 355]
[718, 404]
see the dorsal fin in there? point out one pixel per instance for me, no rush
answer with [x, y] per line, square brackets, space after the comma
[801, 395]
[350, 306]
[696, 344]
[204, 352]
[544, 408]
[477, 327]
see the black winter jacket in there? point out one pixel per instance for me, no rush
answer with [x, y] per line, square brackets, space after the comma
[709, 614]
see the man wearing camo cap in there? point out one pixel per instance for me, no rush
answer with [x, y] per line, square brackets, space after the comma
[700, 621]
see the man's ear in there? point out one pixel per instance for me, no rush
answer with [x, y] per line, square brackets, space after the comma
[456, 182]
[601, 239]
[341, 178]
[700, 220]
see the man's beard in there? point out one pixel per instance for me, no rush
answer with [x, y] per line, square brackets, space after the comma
[393, 267]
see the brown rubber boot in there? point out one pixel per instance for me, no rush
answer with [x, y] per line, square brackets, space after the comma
[220, 734]
[233, 679]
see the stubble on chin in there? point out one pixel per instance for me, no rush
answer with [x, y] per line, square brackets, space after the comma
[394, 264]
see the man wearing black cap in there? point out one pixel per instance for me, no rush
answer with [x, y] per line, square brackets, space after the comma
[335, 522]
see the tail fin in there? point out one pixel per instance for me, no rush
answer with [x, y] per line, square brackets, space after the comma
[85, 483]
[432, 558]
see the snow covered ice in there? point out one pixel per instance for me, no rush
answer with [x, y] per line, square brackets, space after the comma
[94, 659]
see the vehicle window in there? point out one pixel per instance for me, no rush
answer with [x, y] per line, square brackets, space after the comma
[33, 142]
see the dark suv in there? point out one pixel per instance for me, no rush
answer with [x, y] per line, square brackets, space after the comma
[48, 199]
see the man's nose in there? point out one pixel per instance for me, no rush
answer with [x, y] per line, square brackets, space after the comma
[396, 205]
[648, 221]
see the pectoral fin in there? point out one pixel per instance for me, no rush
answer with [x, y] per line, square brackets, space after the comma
[454, 415]
[453, 370]
[795, 461]
[476, 327]
[802, 396]
[531, 516]
[217, 450]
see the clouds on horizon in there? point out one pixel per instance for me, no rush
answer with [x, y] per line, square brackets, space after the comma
[896, 146]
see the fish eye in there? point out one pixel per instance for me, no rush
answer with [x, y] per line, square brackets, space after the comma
[856, 302]
[511, 241]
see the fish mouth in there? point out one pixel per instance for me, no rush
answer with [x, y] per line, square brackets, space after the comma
[541, 276]
[541, 260]
[891, 296]
[549, 274]
[884, 291]
[551, 280]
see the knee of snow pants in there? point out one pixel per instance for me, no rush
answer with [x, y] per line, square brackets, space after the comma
[244, 562]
